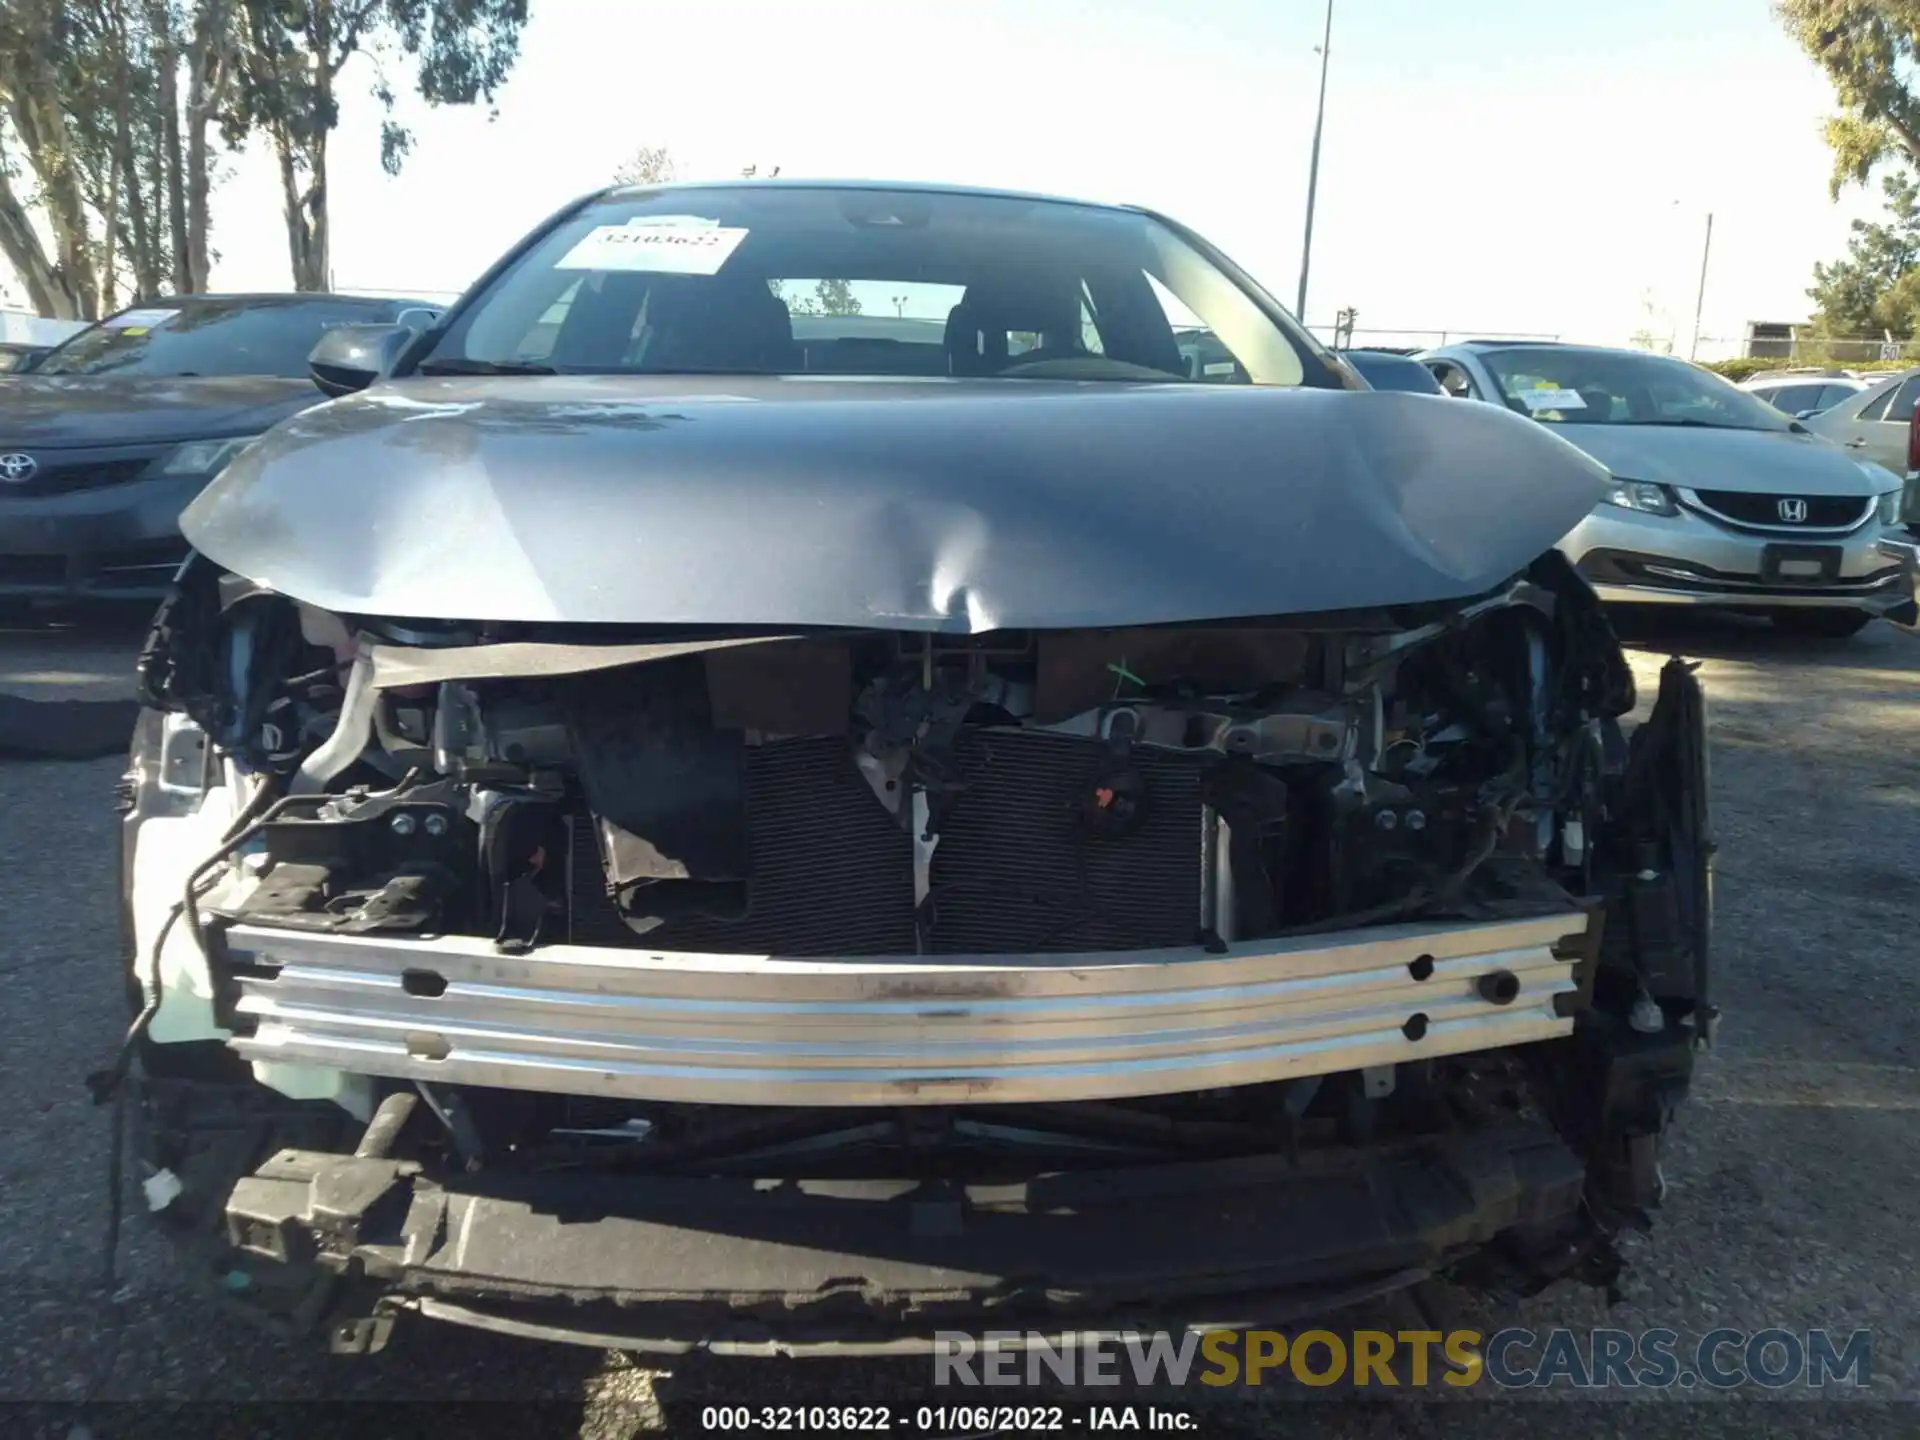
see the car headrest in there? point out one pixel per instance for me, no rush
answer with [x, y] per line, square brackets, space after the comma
[973, 346]
[709, 322]
[977, 327]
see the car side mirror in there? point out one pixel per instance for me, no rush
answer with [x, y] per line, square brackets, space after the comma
[351, 357]
[1805, 414]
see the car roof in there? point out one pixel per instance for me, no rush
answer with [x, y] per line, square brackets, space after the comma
[265, 298]
[1487, 346]
[1534, 344]
[914, 187]
[1379, 352]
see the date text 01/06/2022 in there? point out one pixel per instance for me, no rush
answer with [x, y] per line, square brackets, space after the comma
[945, 1419]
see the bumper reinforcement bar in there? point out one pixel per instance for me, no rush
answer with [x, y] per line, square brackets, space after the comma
[745, 1029]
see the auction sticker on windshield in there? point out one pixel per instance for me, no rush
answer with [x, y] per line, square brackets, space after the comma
[663, 244]
[1552, 400]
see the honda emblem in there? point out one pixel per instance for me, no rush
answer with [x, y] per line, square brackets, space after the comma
[1793, 510]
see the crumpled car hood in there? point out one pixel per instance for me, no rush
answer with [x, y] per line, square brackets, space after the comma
[932, 505]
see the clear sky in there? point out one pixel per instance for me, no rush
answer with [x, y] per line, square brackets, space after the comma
[1487, 165]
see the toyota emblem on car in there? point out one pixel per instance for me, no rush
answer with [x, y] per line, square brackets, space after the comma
[1793, 510]
[17, 469]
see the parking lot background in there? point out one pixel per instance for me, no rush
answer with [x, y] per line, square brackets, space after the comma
[1793, 1198]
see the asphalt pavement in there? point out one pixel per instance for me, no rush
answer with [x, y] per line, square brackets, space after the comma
[1794, 1196]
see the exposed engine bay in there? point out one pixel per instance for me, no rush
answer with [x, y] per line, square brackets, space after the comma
[944, 911]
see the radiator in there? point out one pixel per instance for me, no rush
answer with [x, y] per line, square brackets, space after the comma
[1015, 872]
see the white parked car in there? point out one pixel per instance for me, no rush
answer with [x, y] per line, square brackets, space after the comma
[1803, 393]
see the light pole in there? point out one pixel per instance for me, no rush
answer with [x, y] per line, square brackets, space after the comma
[1700, 297]
[1313, 166]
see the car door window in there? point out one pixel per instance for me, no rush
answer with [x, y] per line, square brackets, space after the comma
[1454, 380]
[1836, 395]
[1900, 411]
[1876, 408]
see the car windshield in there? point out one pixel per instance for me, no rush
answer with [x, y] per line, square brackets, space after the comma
[1602, 387]
[795, 279]
[207, 337]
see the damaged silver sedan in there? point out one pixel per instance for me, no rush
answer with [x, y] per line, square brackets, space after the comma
[654, 832]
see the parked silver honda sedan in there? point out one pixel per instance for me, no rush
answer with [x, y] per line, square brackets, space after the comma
[1719, 499]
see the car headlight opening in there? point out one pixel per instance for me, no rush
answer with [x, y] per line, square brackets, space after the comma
[205, 457]
[1648, 499]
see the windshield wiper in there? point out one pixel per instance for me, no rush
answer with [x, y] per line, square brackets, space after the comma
[1791, 427]
[458, 366]
[1687, 423]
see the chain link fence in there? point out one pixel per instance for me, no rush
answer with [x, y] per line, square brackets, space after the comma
[1813, 350]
